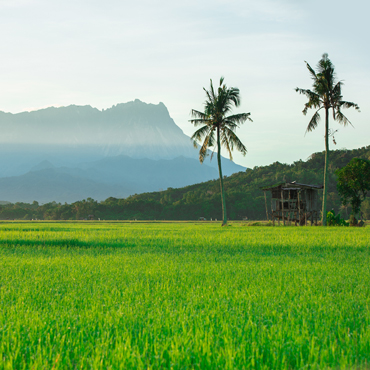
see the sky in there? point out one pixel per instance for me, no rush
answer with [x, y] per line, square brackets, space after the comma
[100, 53]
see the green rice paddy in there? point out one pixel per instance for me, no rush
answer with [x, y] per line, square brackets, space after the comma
[183, 296]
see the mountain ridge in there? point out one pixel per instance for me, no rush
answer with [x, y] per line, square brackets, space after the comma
[70, 135]
[119, 176]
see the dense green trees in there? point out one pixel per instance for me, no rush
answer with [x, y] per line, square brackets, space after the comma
[326, 95]
[354, 184]
[243, 195]
[218, 128]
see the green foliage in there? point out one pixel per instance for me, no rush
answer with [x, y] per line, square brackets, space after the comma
[335, 220]
[354, 183]
[183, 296]
[326, 94]
[243, 195]
[217, 126]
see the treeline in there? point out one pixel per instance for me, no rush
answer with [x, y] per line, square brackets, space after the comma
[243, 189]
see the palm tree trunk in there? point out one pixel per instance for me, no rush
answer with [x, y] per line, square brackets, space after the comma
[325, 192]
[223, 198]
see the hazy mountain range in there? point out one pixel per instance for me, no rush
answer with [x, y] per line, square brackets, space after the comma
[71, 153]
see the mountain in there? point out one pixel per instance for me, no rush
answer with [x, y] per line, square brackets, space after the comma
[118, 176]
[135, 128]
[49, 185]
[67, 136]
[148, 175]
[70, 153]
[44, 165]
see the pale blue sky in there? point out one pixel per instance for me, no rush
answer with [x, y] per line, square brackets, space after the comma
[101, 53]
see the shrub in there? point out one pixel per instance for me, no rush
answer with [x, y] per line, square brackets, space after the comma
[335, 220]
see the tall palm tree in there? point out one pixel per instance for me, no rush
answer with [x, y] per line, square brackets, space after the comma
[326, 95]
[218, 128]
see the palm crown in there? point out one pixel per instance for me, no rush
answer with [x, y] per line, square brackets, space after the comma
[215, 120]
[326, 94]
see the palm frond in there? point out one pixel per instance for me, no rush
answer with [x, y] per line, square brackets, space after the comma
[310, 94]
[311, 70]
[212, 138]
[313, 122]
[234, 141]
[238, 119]
[347, 104]
[203, 152]
[225, 142]
[234, 96]
[199, 121]
[342, 119]
[201, 133]
[208, 142]
[212, 91]
[314, 100]
[337, 90]
[197, 114]
[209, 96]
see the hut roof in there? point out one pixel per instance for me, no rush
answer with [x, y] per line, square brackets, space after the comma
[292, 186]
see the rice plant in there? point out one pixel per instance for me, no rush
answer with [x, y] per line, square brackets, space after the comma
[183, 296]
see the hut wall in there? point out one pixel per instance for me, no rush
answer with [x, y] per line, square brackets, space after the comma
[311, 200]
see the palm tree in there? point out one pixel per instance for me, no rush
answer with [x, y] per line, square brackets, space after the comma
[326, 94]
[218, 128]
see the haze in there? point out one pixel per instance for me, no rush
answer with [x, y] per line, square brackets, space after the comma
[103, 53]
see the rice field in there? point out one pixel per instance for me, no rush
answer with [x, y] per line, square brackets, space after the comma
[183, 296]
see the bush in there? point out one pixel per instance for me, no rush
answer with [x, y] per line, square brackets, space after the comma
[335, 220]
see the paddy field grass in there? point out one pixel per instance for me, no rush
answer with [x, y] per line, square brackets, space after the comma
[183, 296]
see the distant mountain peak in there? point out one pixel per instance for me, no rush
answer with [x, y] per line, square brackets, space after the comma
[137, 103]
[44, 165]
[79, 133]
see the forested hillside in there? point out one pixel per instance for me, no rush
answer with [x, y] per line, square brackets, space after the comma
[244, 196]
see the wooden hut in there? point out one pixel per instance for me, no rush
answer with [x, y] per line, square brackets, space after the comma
[294, 202]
